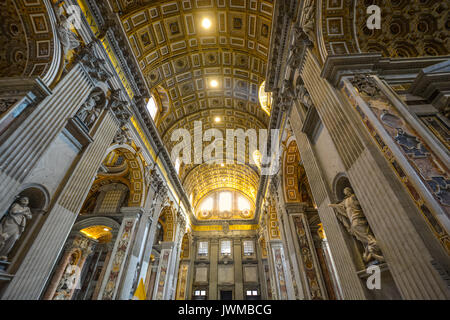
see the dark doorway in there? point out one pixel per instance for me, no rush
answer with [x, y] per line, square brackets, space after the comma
[226, 295]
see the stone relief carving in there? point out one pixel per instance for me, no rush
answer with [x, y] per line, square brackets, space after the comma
[13, 224]
[122, 136]
[350, 213]
[309, 20]
[303, 95]
[297, 48]
[94, 66]
[91, 109]
[366, 84]
[119, 107]
[5, 104]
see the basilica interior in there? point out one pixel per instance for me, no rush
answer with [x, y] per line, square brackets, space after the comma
[224, 150]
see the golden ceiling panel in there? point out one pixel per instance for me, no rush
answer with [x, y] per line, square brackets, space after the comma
[100, 233]
[205, 178]
[403, 35]
[26, 40]
[210, 58]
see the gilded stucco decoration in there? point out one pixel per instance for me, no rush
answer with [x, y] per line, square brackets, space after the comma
[27, 40]
[408, 28]
[211, 75]
[296, 185]
[121, 166]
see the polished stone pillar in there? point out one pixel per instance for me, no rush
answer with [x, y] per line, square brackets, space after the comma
[213, 269]
[116, 266]
[131, 268]
[385, 180]
[292, 254]
[284, 289]
[306, 253]
[162, 277]
[349, 282]
[31, 277]
[238, 277]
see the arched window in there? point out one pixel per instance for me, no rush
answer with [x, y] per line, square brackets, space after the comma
[225, 204]
[152, 108]
[207, 204]
[243, 204]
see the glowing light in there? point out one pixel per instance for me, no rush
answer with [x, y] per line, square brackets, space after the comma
[265, 99]
[217, 119]
[152, 107]
[243, 204]
[207, 204]
[214, 83]
[225, 201]
[206, 23]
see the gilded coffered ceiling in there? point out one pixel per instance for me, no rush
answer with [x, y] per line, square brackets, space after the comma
[208, 73]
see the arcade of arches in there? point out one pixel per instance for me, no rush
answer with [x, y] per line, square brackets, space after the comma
[224, 149]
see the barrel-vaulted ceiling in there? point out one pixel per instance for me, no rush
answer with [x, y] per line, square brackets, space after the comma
[180, 58]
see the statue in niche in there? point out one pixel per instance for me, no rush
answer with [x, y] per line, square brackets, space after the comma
[91, 109]
[350, 214]
[12, 225]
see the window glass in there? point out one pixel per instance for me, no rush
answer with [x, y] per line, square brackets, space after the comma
[243, 203]
[225, 247]
[152, 107]
[203, 248]
[207, 204]
[225, 201]
[248, 248]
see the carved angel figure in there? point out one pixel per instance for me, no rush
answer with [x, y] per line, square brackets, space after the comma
[349, 212]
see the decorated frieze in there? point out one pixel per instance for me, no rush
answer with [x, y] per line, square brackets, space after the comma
[431, 171]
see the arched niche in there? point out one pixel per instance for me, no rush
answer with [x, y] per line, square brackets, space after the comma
[339, 184]
[167, 220]
[121, 166]
[39, 201]
[295, 182]
[38, 196]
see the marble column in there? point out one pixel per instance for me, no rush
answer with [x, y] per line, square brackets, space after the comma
[238, 276]
[155, 209]
[81, 247]
[306, 254]
[213, 269]
[349, 282]
[33, 274]
[162, 276]
[116, 266]
[292, 254]
[131, 268]
[284, 289]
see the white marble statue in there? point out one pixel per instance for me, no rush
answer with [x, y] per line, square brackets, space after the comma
[12, 225]
[68, 38]
[91, 109]
[349, 212]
